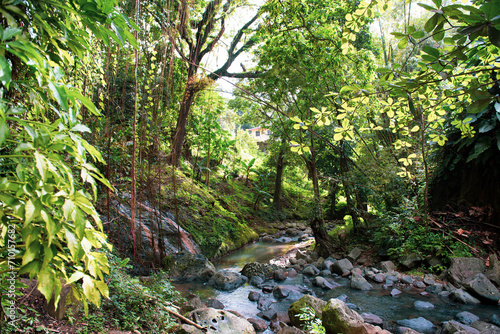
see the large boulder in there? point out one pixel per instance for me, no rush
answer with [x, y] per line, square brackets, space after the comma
[263, 270]
[419, 324]
[463, 268]
[386, 266]
[187, 267]
[463, 297]
[341, 266]
[307, 300]
[481, 287]
[227, 280]
[358, 282]
[338, 318]
[220, 321]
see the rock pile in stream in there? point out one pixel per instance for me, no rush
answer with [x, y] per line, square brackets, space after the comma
[467, 280]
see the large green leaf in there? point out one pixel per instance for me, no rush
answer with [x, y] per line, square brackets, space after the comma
[5, 72]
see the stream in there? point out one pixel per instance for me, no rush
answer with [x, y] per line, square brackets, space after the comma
[377, 301]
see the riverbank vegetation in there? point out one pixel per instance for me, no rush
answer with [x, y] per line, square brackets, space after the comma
[384, 120]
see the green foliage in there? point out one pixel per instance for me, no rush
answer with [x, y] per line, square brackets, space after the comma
[47, 192]
[403, 232]
[312, 322]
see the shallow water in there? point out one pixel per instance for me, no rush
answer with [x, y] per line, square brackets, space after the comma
[377, 301]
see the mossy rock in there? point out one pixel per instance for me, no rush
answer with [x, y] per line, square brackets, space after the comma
[338, 318]
[307, 300]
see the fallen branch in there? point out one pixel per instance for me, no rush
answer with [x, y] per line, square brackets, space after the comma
[183, 318]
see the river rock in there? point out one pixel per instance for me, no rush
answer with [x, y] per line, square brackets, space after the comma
[187, 267]
[435, 288]
[341, 267]
[462, 268]
[263, 270]
[258, 324]
[256, 281]
[227, 280]
[429, 279]
[220, 321]
[493, 272]
[395, 292]
[192, 303]
[410, 261]
[405, 330]
[357, 271]
[372, 319]
[421, 305]
[358, 282]
[485, 327]
[481, 287]
[307, 300]
[338, 318]
[215, 303]
[419, 285]
[264, 303]
[254, 295]
[386, 266]
[327, 263]
[419, 324]
[407, 279]
[290, 330]
[284, 240]
[378, 278]
[466, 317]
[495, 319]
[269, 314]
[354, 255]
[284, 291]
[452, 327]
[280, 275]
[324, 283]
[325, 273]
[463, 297]
[310, 270]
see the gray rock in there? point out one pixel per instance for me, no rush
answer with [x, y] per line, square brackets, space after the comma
[310, 270]
[493, 272]
[268, 314]
[280, 275]
[390, 279]
[463, 297]
[407, 279]
[395, 292]
[341, 266]
[282, 291]
[289, 330]
[220, 321]
[466, 317]
[462, 268]
[227, 280]
[354, 255]
[187, 267]
[372, 319]
[434, 288]
[264, 303]
[405, 330]
[419, 285]
[258, 324]
[326, 264]
[358, 282]
[481, 287]
[485, 327]
[338, 318]
[256, 281]
[429, 280]
[419, 324]
[284, 240]
[325, 273]
[421, 305]
[254, 295]
[357, 271]
[495, 319]
[215, 303]
[410, 261]
[452, 327]
[323, 283]
[378, 278]
[386, 266]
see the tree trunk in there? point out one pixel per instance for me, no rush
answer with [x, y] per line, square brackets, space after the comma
[280, 166]
[324, 243]
[174, 157]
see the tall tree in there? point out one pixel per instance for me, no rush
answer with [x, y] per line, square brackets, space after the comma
[208, 32]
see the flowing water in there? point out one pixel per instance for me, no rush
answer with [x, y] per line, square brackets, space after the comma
[377, 301]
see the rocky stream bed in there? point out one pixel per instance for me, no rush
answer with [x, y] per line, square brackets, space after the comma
[264, 286]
